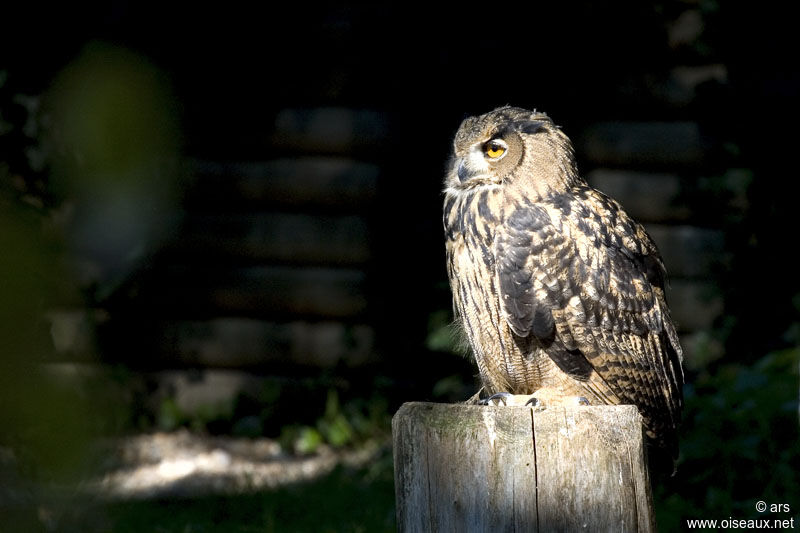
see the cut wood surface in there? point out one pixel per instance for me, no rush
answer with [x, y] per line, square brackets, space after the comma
[474, 468]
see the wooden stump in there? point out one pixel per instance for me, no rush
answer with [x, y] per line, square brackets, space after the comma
[474, 468]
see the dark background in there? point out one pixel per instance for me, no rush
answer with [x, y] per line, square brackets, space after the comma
[207, 92]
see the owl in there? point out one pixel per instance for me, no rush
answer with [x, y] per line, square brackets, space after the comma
[559, 292]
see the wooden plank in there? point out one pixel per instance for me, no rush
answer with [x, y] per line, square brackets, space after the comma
[644, 144]
[237, 342]
[276, 237]
[223, 342]
[218, 343]
[331, 130]
[269, 291]
[684, 81]
[661, 196]
[688, 251]
[646, 196]
[322, 182]
[473, 468]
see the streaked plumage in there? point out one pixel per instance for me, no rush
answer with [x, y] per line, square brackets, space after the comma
[555, 285]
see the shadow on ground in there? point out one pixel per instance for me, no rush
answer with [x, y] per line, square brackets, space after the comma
[184, 482]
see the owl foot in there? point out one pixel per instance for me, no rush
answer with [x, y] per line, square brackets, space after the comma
[541, 399]
[544, 398]
[500, 397]
[505, 398]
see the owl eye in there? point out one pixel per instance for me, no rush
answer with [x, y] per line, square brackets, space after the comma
[495, 149]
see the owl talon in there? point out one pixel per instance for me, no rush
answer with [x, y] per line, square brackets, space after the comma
[535, 403]
[497, 398]
[581, 400]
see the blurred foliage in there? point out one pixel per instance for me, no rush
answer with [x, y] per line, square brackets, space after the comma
[23, 154]
[39, 416]
[441, 331]
[87, 182]
[93, 160]
[740, 443]
[46, 425]
[332, 423]
[114, 142]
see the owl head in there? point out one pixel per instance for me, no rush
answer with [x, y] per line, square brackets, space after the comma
[511, 145]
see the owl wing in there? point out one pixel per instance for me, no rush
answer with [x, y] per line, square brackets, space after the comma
[587, 281]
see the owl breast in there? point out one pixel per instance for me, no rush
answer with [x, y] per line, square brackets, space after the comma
[505, 362]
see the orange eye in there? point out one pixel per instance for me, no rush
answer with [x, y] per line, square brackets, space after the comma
[494, 149]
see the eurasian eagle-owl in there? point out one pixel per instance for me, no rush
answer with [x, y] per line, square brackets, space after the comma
[560, 293]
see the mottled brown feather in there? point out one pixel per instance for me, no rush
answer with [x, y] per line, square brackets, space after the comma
[555, 285]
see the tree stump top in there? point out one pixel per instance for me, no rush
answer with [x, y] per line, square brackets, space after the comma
[477, 468]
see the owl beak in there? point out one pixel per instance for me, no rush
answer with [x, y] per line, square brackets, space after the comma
[470, 166]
